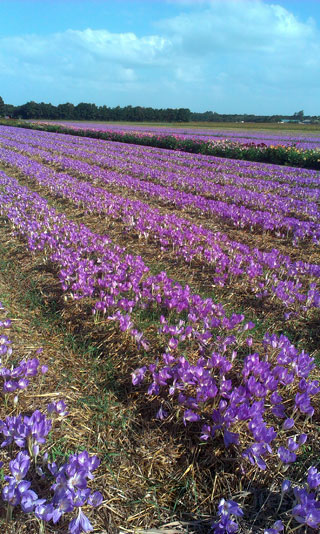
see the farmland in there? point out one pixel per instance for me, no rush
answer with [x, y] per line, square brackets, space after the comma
[177, 298]
[292, 150]
[306, 136]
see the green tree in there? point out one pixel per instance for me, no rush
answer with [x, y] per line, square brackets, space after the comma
[86, 112]
[299, 115]
[2, 109]
[183, 115]
[65, 111]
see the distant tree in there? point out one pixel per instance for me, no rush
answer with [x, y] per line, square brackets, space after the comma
[138, 114]
[149, 114]
[65, 111]
[183, 115]
[299, 115]
[104, 113]
[30, 110]
[9, 110]
[87, 112]
[116, 113]
[48, 111]
[169, 115]
[2, 108]
[126, 113]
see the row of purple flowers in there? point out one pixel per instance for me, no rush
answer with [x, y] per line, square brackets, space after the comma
[266, 273]
[258, 404]
[280, 154]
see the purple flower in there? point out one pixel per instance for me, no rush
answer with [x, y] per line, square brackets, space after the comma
[302, 402]
[229, 507]
[63, 501]
[229, 438]
[44, 511]
[81, 496]
[286, 485]
[226, 525]
[191, 416]
[288, 423]
[277, 527]
[161, 413]
[138, 375]
[58, 407]
[307, 513]
[206, 432]
[80, 524]
[10, 493]
[286, 456]
[10, 386]
[29, 500]
[95, 499]
[20, 466]
[313, 478]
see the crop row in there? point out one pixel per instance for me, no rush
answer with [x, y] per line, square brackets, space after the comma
[266, 177]
[302, 140]
[91, 266]
[258, 403]
[279, 154]
[238, 216]
[268, 274]
[233, 188]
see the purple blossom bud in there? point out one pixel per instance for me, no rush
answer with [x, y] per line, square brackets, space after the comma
[23, 383]
[80, 524]
[161, 413]
[59, 407]
[191, 416]
[302, 439]
[229, 507]
[35, 450]
[313, 478]
[20, 465]
[29, 501]
[95, 499]
[288, 423]
[286, 456]
[286, 485]
[249, 341]
[230, 437]
[138, 375]
[44, 511]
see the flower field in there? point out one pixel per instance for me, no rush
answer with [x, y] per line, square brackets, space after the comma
[300, 140]
[279, 149]
[191, 283]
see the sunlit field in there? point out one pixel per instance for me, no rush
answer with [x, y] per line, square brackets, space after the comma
[242, 126]
[171, 301]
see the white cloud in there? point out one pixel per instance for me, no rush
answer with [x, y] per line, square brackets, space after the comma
[224, 55]
[236, 25]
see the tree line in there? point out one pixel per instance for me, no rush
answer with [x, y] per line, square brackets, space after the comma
[91, 112]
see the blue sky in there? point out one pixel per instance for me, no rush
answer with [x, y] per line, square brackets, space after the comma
[229, 56]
